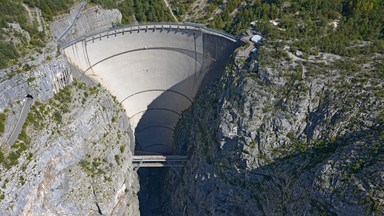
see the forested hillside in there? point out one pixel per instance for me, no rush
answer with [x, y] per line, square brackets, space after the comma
[14, 42]
[50, 8]
[327, 26]
[138, 10]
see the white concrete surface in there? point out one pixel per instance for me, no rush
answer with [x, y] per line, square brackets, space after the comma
[155, 71]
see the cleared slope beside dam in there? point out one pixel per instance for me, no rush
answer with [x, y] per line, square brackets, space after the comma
[154, 70]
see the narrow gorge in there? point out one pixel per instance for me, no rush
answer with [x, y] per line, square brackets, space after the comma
[290, 124]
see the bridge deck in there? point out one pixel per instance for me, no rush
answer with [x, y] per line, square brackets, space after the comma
[159, 160]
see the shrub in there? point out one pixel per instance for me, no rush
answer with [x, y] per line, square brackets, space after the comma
[1, 157]
[37, 42]
[122, 148]
[58, 117]
[23, 135]
[30, 155]
[7, 52]
[13, 158]
[2, 119]
[117, 159]
[22, 148]
[83, 163]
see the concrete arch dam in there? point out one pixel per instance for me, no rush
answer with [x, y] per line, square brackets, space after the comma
[154, 70]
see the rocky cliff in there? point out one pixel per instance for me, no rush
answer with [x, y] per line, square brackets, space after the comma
[281, 133]
[74, 153]
[92, 19]
[73, 156]
[284, 136]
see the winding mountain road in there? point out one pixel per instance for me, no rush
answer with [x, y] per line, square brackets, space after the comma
[20, 122]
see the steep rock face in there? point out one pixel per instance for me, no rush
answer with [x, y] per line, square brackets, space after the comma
[42, 79]
[42, 82]
[92, 19]
[74, 151]
[75, 158]
[282, 138]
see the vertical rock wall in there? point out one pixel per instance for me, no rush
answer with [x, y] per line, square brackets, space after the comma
[73, 156]
[262, 142]
[76, 161]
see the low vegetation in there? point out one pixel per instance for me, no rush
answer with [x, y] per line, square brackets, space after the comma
[13, 42]
[327, 26]
[7, 52]
[141, 11]
[3, 117]
[50, 8]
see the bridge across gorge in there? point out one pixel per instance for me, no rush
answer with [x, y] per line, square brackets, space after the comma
[154, 70]
[145, 160]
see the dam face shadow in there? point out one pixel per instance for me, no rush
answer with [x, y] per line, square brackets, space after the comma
[155, 131]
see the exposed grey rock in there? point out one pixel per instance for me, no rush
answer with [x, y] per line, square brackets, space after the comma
[92, 19]
[45, 80]
[76, 164]
[262, 145]
[78, 152]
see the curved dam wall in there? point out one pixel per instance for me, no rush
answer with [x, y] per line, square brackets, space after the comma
[154, 70]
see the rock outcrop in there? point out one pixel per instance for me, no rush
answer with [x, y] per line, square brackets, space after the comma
[91, 19]
[282, 137]
[75, 158]
[281, 133]
[42, 82]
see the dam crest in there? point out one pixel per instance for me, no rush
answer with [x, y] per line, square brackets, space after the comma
[154, 71]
